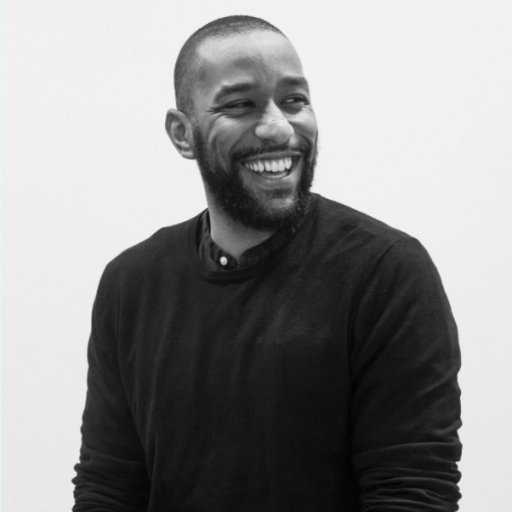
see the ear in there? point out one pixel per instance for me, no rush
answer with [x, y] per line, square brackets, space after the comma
[179, 129]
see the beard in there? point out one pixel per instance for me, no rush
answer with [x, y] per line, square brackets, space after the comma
[245, 206]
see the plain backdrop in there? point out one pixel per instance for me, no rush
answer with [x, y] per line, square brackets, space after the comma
[414, 104]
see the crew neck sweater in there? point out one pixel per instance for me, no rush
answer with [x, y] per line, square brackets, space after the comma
[323, 378]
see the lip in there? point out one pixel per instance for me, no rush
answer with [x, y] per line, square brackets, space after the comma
[268, 179]
[273, 156]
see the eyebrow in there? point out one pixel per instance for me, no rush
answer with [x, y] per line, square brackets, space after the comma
[239, 87]
[225, 90]
[295, 80]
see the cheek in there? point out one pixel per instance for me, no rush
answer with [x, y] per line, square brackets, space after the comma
[227, 137]
[305, 124]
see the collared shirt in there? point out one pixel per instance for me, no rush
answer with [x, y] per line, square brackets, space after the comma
[219, 260]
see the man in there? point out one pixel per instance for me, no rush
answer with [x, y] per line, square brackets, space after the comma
[278, 352]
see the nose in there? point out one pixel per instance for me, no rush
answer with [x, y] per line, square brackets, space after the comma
[274, 126]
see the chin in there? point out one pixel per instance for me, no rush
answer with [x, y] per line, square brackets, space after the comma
[275, 213]
[280, 205]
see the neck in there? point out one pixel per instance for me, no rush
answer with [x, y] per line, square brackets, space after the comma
[231, 236]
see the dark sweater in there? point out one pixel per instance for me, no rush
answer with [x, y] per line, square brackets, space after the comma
[323, 379]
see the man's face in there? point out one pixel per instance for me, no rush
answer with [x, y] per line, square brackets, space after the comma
[255, 132]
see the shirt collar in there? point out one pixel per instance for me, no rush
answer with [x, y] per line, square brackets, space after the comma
[218, 260]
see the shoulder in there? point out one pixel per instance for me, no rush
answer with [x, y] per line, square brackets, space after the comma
[348, 241]
[166, 248]
[341, 229]
[341, 220]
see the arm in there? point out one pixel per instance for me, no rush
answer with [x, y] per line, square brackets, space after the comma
[111, 474]
[406, 400]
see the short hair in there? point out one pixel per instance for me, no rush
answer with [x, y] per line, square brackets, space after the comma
[222, 27]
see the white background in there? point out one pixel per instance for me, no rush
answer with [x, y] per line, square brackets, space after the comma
[414, 105]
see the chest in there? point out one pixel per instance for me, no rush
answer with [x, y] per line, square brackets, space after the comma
[246, 350]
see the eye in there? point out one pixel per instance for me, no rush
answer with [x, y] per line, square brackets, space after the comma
[238, 106]
[295, 102]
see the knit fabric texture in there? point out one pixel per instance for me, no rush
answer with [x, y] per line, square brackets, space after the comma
[324, 378]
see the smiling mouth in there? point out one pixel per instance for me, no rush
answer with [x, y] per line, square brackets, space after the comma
[270, 165]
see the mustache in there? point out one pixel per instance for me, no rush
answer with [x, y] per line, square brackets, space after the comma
[255, 151]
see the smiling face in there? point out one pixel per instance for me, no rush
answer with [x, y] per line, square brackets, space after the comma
[254, 130]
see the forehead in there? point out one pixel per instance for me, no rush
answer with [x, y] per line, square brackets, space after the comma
[258, 56]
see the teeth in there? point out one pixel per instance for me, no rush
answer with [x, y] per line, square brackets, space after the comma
[279, 165]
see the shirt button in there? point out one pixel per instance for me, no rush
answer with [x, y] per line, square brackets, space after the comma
[223, 261]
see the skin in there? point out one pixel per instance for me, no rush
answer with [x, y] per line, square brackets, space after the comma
[249, 96]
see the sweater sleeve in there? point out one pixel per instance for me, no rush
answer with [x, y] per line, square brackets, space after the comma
[406, 399]
[111, 473]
